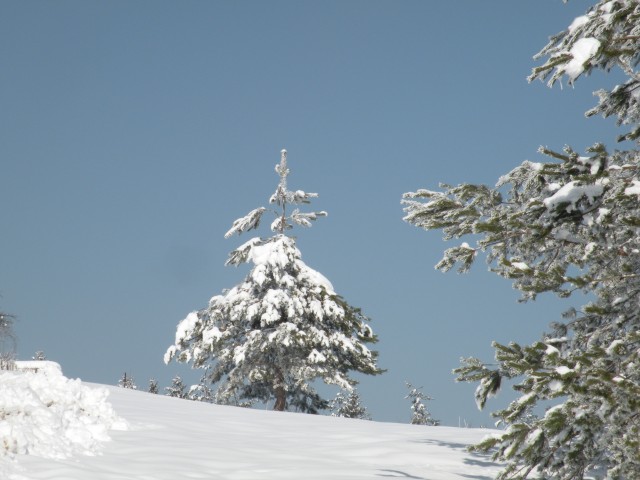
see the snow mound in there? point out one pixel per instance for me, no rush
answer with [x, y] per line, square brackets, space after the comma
[46, 367]
[48, 415]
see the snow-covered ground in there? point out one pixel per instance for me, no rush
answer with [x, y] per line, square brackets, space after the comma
[169, 438]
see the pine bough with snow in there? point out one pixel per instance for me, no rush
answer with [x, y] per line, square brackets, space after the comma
[569, 224]
[268, 338]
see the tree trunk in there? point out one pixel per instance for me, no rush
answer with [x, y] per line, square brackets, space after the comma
[280, 392]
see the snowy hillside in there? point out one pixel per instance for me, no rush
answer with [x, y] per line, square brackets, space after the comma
[169, 439]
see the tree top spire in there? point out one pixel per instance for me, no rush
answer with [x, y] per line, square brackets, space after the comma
[281, 197]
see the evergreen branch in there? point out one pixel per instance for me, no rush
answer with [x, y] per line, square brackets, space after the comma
[248, 222]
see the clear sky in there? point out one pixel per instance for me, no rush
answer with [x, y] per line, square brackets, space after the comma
[133, 134]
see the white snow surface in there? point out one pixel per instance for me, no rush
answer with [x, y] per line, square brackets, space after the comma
[171, 438]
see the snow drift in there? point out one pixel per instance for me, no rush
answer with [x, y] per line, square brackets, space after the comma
[171, 439]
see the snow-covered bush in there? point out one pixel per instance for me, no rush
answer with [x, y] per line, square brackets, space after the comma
[47, 415]
[7, 361]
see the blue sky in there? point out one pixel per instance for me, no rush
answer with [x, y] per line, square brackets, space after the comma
[134, 133]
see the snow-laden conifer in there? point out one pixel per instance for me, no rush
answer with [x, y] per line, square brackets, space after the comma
[153, 386]
[348, 404]
[420, 415]
[127, 381]
[201, 393]
[268, 338]
[177, 388]
[569, 224]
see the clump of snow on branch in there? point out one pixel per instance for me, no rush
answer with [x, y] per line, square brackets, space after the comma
[581, 52]
[570, 194]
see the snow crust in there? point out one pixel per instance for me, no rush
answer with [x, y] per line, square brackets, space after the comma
[173, 439]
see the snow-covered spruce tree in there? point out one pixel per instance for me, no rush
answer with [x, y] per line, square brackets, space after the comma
[349, 405]
[127, 382]
[268, 338]
[201, 392]
[177, 388]
[153, 386]
[569, 224]
[419, 413]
